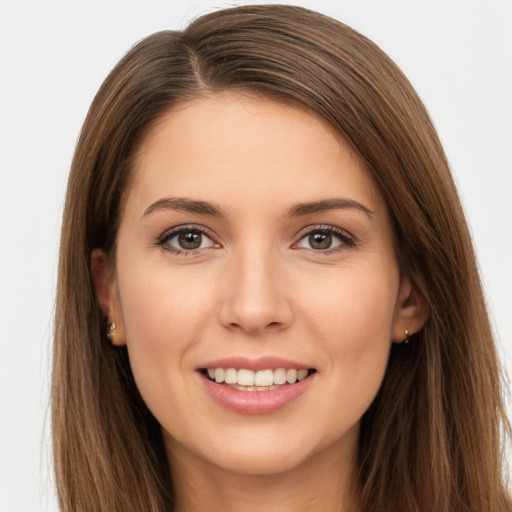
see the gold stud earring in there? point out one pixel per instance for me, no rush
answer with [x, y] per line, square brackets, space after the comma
[111, 331]
[406, 339]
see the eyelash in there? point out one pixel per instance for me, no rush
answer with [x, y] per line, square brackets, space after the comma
[347, 241]
[169, 235]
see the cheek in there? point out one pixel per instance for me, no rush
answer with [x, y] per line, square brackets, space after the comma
[352, 322]
[159, 304]
[164, 314]
[353, 307]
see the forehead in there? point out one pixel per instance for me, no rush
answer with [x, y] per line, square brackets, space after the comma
[242, 149]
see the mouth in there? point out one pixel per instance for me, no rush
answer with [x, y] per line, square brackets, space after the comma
[243, 379]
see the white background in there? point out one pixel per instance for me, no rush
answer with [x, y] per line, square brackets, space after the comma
[53, 56]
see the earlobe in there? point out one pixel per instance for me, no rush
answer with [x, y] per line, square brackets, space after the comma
[411, 311]
[106, 293]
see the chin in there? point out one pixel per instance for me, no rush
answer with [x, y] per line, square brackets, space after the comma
[257, 462]
[264, 450]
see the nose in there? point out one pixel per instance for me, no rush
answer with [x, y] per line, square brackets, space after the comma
[255, 294]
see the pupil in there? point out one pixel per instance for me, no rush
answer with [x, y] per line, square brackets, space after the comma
[320, 240]
[189, 240]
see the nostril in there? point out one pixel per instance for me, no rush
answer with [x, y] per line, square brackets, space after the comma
[254, 327]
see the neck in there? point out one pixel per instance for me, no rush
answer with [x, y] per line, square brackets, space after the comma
[322, 482]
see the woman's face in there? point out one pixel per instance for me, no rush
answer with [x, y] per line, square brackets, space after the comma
[253, 239]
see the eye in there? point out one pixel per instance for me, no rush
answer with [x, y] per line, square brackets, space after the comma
[186, 240]
[325, 239]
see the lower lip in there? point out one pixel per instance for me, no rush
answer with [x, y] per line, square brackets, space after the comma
[256, 402]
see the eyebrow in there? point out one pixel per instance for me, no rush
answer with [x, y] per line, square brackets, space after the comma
[185, 205]
[300, 209]
[213, 210]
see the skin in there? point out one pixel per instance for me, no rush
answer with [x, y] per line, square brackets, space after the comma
[256, 287]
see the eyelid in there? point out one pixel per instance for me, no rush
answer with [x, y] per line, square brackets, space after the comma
[176, 230]
[348, 240]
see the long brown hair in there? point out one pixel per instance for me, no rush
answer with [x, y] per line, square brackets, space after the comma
[431, 439]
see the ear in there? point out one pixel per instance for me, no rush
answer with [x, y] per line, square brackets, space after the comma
[106, 292]
[411, 311]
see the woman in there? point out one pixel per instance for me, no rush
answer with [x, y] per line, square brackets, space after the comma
[268, 297]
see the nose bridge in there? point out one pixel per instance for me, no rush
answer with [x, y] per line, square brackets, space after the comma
[254, 298]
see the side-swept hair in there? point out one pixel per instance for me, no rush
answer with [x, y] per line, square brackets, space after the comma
[431, 439]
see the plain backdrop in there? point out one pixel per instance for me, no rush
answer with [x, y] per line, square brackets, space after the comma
[54, 54]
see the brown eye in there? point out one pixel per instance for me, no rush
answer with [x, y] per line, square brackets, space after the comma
[320, 240]
[186, 239]
[325, 240]
[190, 240]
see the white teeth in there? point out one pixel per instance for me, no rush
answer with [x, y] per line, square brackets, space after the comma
[231, 376]
[264, 378]
[245, 377]
[260, 380]
[302, 374]
[291, 376]
[279, 376]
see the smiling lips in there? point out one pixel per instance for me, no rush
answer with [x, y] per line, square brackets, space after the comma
[275, 387]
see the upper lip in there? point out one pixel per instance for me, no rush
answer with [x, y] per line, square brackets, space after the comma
[255, 364]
